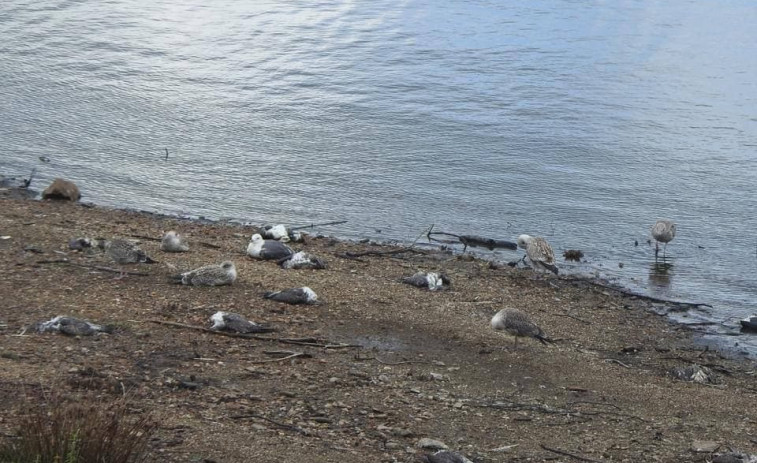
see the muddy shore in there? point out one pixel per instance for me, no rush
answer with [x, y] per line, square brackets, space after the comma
[390, 364]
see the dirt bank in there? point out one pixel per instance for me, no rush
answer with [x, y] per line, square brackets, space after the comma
[428, 364]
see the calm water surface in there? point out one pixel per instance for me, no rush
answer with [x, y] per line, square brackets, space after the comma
[579, 121]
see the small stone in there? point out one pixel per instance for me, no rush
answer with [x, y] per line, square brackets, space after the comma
[436, 376]
[392, 445]
[431, 444]
[704, 446]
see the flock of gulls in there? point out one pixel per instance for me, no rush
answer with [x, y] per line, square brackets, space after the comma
[271, 244]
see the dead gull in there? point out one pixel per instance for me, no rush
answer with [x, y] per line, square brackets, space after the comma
[227, 321]
[302, 259]
[433, 281]
[209, 275]
[173, 242]
[267, 249]
[71, 326]
[517, 323]
[539, 253]
[302, 295]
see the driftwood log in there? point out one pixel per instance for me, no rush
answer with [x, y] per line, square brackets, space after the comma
[473, 241]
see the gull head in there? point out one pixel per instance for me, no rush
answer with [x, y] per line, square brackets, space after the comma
[523, 241]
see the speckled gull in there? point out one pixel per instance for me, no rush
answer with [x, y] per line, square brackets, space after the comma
[227, 321]
[209, 275]
[124, 252]
[517, 323]
[173, 242]
[71, 326]
[663, 231]
[302, 259]
[432, 280]
[539, 253]
[260, 248]
[302, 295]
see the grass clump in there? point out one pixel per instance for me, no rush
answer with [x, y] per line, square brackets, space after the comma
[64, 432]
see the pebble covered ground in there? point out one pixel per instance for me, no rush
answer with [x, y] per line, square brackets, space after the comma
[376, 370]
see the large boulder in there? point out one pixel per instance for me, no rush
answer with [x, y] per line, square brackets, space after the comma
[62, 189]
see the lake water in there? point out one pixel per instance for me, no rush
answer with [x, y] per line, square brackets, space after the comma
[579, 121]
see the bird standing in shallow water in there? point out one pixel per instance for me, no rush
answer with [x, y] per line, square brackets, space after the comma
[539, 253]
[663, 231]
[517, 323]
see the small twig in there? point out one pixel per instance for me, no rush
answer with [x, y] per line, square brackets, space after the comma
[618, 362]
[568, 454]
[383, 362]
[202, 328]
[291, 356]
[209, 245]
[312, 342]
[648, 298]
[313, 225]
[166, 153]
[143, 237]
[94, 267]
[585, 322]
[277, 423]
[504, 448]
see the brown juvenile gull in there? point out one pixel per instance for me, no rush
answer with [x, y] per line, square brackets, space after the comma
[433, 281]
[539, 253]
[517, 323]
[173, 242]
[302, 259]
[663, 231]
[227, 321]
[125, 252]
[302, 295]
[209, 275]
[267, 249]
[71, 326]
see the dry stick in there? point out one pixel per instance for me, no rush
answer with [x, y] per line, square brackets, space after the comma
[618, 362]
[209, 245]
[585, 322]
[298, 341]
[202, 328]
[277, 423]
[649, 298]
[568, 454]
[143, 237]
[313, 225]
[295, 354]
[353, 255]
[95, 267]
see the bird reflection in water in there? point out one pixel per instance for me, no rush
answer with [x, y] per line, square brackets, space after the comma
[660, 274]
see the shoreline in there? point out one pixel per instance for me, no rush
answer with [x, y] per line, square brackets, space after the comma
[428, 365]
[711, 339]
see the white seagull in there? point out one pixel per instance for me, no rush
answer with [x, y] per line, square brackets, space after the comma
[663, 231]
[539, 253]
[267, 249]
